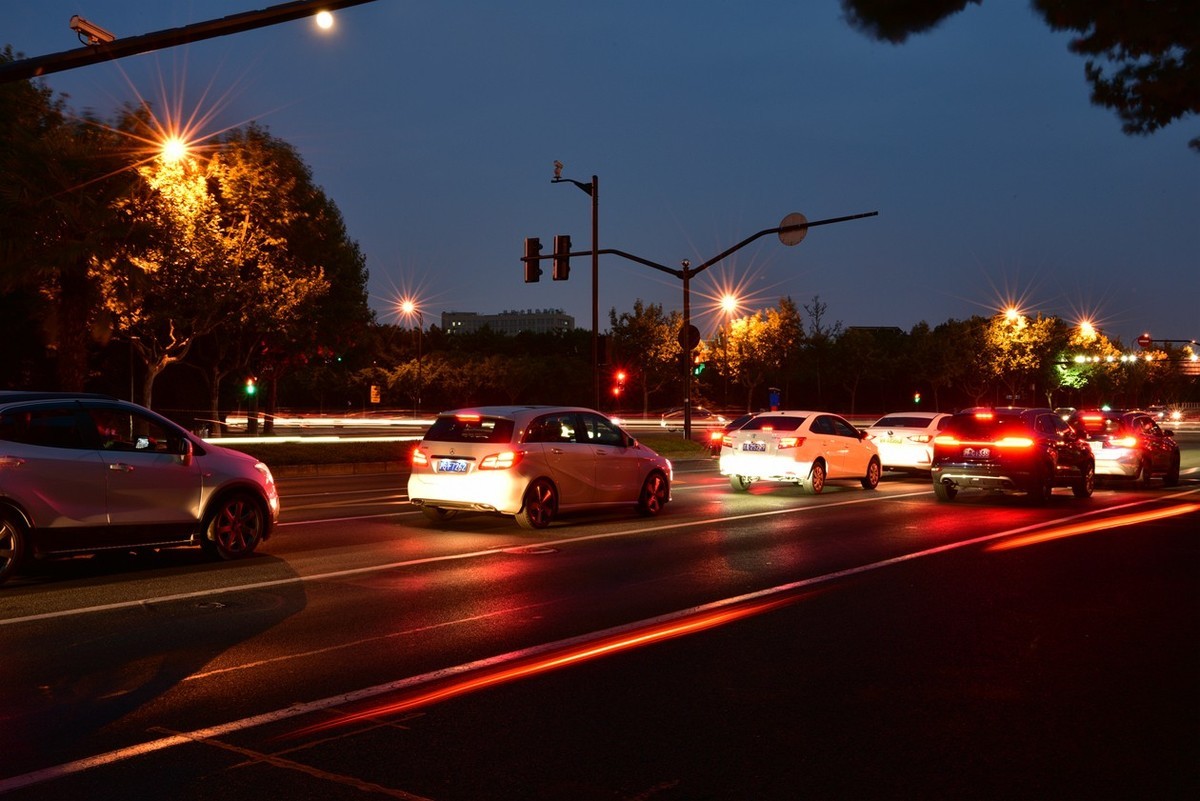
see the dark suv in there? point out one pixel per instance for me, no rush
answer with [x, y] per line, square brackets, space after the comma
[1005, 449]
[88, 473]
[1129, 444]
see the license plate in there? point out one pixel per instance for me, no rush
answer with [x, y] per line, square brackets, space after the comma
[977, 453]
[890, 440]
[754, 447]
[452, 466]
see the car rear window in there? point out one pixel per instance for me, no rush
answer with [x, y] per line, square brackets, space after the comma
[981, 427]
[903, 422]
[470, 428]
[773, 423]
[1099, 423]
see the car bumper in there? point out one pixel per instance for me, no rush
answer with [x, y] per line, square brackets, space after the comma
[985, 477]
[899, 457]
[1120, 462]
[763, 468]
[499, 492]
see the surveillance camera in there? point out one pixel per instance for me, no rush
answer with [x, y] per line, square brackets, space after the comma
[94, 33]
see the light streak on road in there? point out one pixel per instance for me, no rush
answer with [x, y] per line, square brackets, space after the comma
[1093, 526]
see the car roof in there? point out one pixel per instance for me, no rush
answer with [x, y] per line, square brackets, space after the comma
[922, 415]
[512, 411]
[18, 396]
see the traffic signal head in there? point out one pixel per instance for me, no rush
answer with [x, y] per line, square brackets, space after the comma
[533, 252]
[562, 258]
[251, 386]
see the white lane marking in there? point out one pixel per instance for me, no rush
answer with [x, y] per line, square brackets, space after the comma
[296, 710]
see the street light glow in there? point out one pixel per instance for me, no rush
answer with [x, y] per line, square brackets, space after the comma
[174, 148]
[324, 20]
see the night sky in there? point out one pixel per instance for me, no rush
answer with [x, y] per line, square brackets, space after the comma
[434, 128]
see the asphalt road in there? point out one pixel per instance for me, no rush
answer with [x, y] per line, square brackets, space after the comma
[852, 645]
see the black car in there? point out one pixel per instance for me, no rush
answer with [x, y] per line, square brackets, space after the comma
[1011, 449]
[717, 436]
[1130, 444]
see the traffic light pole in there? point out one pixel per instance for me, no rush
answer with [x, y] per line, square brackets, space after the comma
[790, 233]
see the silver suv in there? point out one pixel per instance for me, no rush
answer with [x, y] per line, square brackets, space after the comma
[87, 473]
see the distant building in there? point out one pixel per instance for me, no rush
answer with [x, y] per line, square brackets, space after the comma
[538, 321]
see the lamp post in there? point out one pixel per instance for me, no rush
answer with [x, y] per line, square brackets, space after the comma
[729, 306]
[593, 191]
[409, 307]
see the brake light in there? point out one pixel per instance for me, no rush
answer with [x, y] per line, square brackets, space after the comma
[1092, 418]
[946, 439]
[790, 442]
[468, 418]
[501, 461]
[1014, 442]
[726, 441]
[419, 459]
[985, 415]
[1123, 442]
[768, 428]
[715, 435]
[921, 438]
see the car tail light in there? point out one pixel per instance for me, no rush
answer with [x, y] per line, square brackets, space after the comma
[1123, 442]
[946, 439]
[726, 441]
[790, 442]
[501, 461]
[985, 415]
[1014, 442]
[419, 459]
[468, 418]
[713, 436]
[921, 438]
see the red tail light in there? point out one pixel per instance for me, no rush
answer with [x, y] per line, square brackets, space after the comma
[419, 459]
[920, 438]
[713, 436]
[1123, 442]
[501, 461]
[985, 415]
[790, 442]
[726, 441]
[946, 439]
[1014, 442]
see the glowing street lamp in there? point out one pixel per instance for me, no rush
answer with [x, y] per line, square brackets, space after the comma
[730, 304]
[409, 307]
[173, 149]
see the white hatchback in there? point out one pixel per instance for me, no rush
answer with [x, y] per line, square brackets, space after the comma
[905, 439]
[533, 462]
[798, 447]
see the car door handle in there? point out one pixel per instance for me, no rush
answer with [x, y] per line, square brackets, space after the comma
[120, 467]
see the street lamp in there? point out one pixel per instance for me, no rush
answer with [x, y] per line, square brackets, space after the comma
[729, 307]
[593, 191]
[409, 307]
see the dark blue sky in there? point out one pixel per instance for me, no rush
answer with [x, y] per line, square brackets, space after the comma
[434, 127]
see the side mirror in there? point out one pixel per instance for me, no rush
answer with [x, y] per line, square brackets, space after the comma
[185, 452]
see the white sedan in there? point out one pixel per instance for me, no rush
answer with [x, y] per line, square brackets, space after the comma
[798, 447]
[905, 439]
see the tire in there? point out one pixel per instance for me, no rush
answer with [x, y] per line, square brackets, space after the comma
[944, 492]
[540, 506]
[816, 479]
[740, 483]
[436, 514]
[13, 540]
[653, 497]
[1041, 490]
[1171, 479]
[1142, 477]
[1085, 485]
[234, 527]
[874, 471]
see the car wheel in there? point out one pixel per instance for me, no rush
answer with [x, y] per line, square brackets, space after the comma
[1041, 489]
[944, 491]
[740, 483]
[234, 527]
[816, 479]
[12, 546]
[541, 504]
[874, 470]
[1142, 477]
[1171, 479]
[1086, 484]
[654, 494]
[436, 514]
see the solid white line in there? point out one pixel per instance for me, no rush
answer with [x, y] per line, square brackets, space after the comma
[152, 746]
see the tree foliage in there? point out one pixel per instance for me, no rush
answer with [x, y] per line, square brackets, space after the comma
[1142, 56]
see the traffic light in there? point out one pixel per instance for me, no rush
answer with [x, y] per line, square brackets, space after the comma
[533, 252]
[562, 258]
[698, 363]
[251, 387]
[916, 397]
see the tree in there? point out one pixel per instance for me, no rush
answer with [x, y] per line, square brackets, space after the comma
[646, 344]
[1142, 57]
[1016, 348]
[761, 344]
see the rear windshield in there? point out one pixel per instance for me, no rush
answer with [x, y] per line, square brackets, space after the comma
[773, 422]
[969, 425]
[1100, 424]
[903, 422]
[470, 428]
